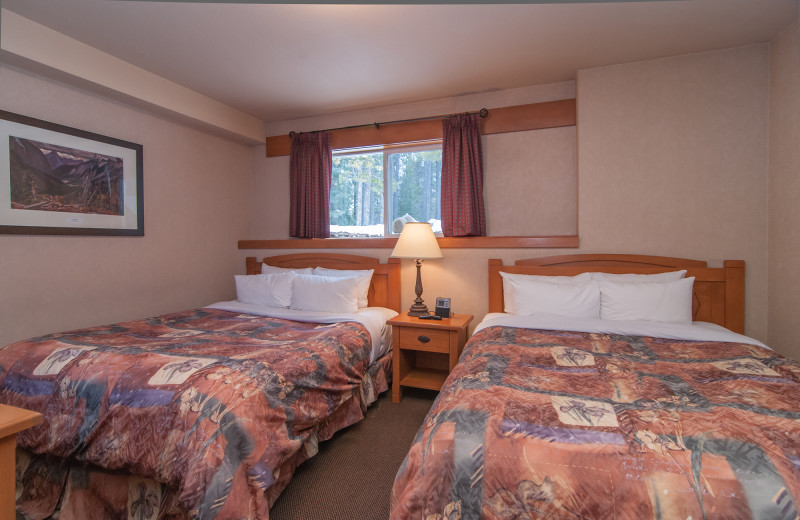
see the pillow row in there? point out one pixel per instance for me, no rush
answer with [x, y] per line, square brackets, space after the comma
[658, 297]
[319, 289]
[516, 287]
[364, 277]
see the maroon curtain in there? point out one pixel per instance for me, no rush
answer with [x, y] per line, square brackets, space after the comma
[310, 164]
[462, 177]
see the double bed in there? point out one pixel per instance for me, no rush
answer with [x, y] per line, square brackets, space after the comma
[203, 413]
[631, 410]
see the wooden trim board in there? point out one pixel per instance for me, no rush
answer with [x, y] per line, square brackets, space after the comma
[534, 116]
[499, 242]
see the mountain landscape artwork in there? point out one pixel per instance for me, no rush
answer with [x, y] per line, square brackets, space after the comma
[49, 177]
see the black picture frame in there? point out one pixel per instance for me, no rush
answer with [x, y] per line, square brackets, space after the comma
[59, 180]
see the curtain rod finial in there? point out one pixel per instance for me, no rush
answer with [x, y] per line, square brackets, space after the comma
[484, 113]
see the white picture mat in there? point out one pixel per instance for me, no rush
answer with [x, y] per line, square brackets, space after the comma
[17, 217]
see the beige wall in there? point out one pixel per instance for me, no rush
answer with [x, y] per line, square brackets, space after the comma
[196, 206]
[543, 161]
[672, 158]
[34, 47]
[784, 192]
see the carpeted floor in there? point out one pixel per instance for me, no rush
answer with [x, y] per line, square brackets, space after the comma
[351, 477]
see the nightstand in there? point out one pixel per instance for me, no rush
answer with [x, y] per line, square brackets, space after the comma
[425, 351]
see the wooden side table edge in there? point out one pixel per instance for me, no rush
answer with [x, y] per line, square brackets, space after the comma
[12, 421]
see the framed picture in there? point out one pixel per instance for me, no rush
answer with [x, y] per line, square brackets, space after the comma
[57, 180]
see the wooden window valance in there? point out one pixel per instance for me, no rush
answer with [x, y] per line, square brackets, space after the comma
[535, 116]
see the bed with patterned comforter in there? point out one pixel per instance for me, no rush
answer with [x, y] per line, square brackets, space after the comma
[198, 414]
[559, 424]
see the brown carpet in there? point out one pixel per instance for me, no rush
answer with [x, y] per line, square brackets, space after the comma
[351, 477]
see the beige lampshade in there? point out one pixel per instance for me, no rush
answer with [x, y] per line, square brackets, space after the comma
[417, 241]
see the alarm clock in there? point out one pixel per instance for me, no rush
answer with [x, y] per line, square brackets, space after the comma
[442, 307]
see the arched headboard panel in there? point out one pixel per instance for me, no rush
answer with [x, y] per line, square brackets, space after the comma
[384, 290]
[718, 291]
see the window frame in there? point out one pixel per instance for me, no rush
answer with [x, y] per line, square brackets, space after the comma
[363, 150]
[386, 150]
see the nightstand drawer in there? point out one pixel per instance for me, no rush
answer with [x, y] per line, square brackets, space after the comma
[430, 340]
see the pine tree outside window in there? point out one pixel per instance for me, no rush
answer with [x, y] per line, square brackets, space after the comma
[374, 191]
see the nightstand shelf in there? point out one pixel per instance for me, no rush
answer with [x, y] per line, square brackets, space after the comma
[427, 378]
[425, 351]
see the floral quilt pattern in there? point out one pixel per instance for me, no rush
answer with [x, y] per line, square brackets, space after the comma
[198, 414]
[569, 425]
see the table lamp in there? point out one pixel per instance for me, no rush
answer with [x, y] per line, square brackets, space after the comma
[417, 242]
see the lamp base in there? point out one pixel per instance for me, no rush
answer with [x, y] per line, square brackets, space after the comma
[418, 309]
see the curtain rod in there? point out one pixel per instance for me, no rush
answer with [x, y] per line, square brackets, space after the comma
[484, 113]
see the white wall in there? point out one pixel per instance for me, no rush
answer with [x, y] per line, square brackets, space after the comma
[784, 192]
[196, 207]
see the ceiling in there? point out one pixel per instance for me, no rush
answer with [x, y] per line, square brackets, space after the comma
[279, 62]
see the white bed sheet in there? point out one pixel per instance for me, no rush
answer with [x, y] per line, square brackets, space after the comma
[372, 318]
[697, 331]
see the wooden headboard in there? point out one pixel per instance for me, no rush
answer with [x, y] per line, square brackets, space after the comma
[718, 291]
[384, 290]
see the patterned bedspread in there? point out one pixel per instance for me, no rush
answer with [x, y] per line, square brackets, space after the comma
[568, 425]
[199, 414]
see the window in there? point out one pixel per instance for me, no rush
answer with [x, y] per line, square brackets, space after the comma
[374, 191]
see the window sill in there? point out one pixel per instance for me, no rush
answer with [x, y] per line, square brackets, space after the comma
[554, 241]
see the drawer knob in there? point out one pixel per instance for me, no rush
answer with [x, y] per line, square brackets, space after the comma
[424, 339]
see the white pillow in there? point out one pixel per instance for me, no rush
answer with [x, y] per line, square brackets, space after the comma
[268, 290]
[513, 283]
[572, 300]
[667, 301]
[271, 269]
[364, 278]
[629, 277]
[519, 283]
[324, 293]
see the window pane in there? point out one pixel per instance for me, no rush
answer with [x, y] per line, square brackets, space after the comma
[415, 180]
[356, 205]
